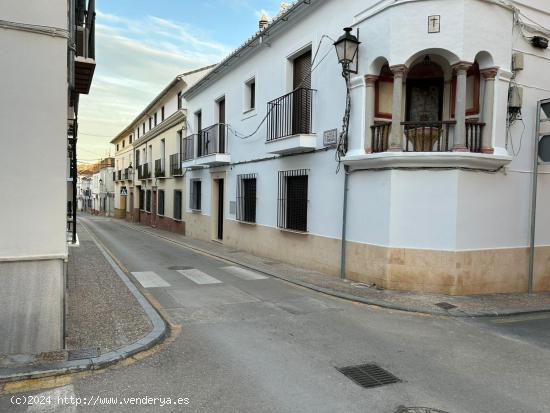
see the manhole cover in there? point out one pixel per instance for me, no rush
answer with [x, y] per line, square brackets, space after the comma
[446, 306]
[84, 353]
[179, 267]
[369, 375]
[403, 409]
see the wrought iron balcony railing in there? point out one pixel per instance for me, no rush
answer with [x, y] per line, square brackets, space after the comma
[144, 171]
[159, 168]
[291, 114]
[175, 165]
[212, 140]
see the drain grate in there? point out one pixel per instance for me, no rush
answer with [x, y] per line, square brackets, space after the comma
[369, 375]
[179, 267]
[84, 353]
[445, 306]
[403, 409]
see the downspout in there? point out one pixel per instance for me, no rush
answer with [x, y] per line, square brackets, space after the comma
[347, 173]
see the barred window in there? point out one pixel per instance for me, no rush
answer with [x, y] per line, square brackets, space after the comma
[141, 199]
[177, 204]
[148, 201]
[195, 195]
[246, 197]
[292, 199]
[160, 202]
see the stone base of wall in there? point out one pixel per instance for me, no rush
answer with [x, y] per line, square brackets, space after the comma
[31, 299]
[120, 213]
[169, 224]
[447, 272]
[145, 218]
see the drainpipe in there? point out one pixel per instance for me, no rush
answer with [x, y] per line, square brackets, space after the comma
[347, 173]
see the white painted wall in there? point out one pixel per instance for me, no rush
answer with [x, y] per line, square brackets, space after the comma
[418, 209]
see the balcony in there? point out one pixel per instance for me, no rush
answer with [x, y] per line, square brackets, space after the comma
[175, 165]
[85, 46]
[211, 147]
[159, 168]
[119, 175]
[427, 136]
[289, 123]
[144, 171]
[126, 174]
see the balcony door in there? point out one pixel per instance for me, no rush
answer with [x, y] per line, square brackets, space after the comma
[221, 120]
[301, 117]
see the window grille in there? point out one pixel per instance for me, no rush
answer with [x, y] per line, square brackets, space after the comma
[292, 199]
[195, 195]
[246, 197]
[141, 199]
[148, 201]
[177, 204]
[160, 202]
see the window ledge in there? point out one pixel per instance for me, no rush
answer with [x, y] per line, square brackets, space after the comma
[246, 222]
[293, 231]
[468, 160]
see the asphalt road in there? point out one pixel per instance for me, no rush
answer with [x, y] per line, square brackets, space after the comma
[254, 344]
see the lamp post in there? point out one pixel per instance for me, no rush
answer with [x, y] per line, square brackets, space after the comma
[347, 48]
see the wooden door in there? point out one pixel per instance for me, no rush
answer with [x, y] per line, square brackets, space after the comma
[301, 105]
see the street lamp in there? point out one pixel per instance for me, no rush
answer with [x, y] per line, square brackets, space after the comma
[347, 47]
[347, 51]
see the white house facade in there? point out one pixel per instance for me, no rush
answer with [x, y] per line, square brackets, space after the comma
[43, 74]
[438, 157]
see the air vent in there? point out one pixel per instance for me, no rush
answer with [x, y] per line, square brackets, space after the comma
[369, 375]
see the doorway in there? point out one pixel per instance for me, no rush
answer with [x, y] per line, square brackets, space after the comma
[220, 183]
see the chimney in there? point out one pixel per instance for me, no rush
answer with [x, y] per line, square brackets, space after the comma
[263, 21]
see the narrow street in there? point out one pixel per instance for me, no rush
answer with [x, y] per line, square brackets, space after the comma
[252, 343]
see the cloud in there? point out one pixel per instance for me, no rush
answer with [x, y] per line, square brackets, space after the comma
[136, 59]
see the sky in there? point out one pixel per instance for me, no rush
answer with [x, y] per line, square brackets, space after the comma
[141, 45]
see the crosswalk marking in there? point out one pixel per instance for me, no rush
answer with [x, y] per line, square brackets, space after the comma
[149, 279]
[199, 277]
[244, 274]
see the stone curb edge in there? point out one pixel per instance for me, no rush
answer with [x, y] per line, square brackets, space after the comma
[345, 296]
[156, 335]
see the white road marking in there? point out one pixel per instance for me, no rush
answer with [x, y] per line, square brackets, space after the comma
[199, 277]
[59, 400]
[244, 274]
[149, 279]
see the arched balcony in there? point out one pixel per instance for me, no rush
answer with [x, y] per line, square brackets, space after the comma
[430, 103]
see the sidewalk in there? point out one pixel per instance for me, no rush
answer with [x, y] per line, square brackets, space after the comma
[107, 319]
[436, 304]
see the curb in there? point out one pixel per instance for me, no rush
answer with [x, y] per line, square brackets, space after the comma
[157, 334]
[350, 297]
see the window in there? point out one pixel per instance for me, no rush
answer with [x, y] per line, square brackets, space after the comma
[195, 195]
[138, 133]
[148, 201]
[141, 199]
[160, 202]
[117, 147]
[155, 118]
[150, 123]
[250, 95]
[292, 200]
[123, 143]
[144, 128]
[246, 198]
[179, 100]
[162, 114]
[130, 139]
[177, 204]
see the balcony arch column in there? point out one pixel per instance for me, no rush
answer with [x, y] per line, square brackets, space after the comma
[370, 104]
[461, 69]
[489, 75]
[396, 136]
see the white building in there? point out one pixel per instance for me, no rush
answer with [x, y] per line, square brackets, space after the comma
[148, 158]
[41, 78]
[438, 162]
[102, 188]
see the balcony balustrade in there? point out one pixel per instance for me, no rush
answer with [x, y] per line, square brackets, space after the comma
[175, 164]
[159, 168]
